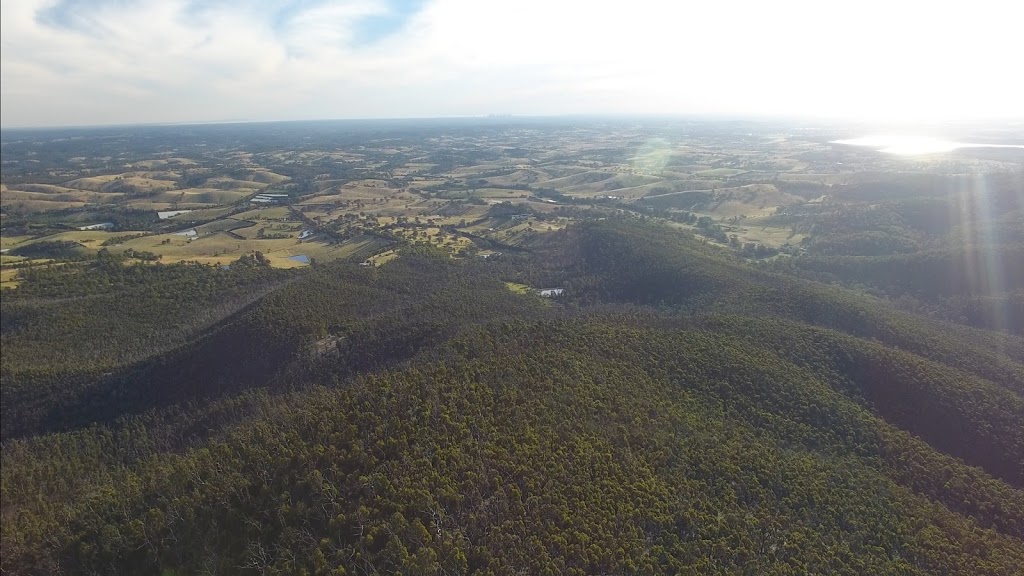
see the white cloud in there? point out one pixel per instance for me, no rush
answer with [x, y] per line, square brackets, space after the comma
[166, 61]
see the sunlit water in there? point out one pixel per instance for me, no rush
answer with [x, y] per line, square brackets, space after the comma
[912, 145]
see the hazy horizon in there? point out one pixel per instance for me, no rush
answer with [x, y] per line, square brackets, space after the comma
[108, 62]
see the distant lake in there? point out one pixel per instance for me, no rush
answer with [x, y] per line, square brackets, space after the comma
[911, 145]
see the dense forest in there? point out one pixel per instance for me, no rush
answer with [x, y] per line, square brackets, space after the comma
[677, 410]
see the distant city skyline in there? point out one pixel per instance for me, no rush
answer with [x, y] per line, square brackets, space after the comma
[97, 62]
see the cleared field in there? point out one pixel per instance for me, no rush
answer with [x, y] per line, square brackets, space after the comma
[517, 288]
[368, 183]
[225, 225]
[91, 239]
[121, 183]
[158, 162]
[418, 182]
[594, 183]
[38, 205]
[350, 192]
[383, 257]
[225, 182]
[500, 193]
[8, 278]
[275, 213]
[752, 200]
[156, 175]
[216, 247]
[751, 231]
[518, 177]
[283, 260]
[488, 225]
[720, 172]
[12, 241]
[413, 168]
[203, 214]
[44, 188]
[471, 170]
[72, 197]
[268, 177]
[335, 199]
[94, 183]
[159, 206]
[355, 248]
[8, 259]
[292, 229]
[213, 196]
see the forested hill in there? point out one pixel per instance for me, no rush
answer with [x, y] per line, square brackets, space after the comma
[676, 411]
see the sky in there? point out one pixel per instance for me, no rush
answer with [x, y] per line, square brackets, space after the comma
[95, 62]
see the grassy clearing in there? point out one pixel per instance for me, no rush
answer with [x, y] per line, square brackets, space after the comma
[8, 278]
[160, 206]
[500, 193]
[753, 200]
[203, 214]
[161, 162]
[43, 188]
[39, 205]
[231, 183]
[122, 183]
[91, 239]
[283, 260]
[365, 193]
[518, 288]
[8, 259]
[518, 177]
[11, 196]
[225, 225]
[275, 213]
[212, 248]
[268, 177]
[355, 248]
[720, 172]
[772, 236]
[383, 257]
[210, 195]
[12, 241]
[292, 229]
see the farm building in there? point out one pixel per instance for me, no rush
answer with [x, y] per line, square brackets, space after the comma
[551, 292]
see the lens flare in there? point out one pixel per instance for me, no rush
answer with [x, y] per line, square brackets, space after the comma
[981, 255]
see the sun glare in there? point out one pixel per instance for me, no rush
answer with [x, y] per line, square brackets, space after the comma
[915, 145]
